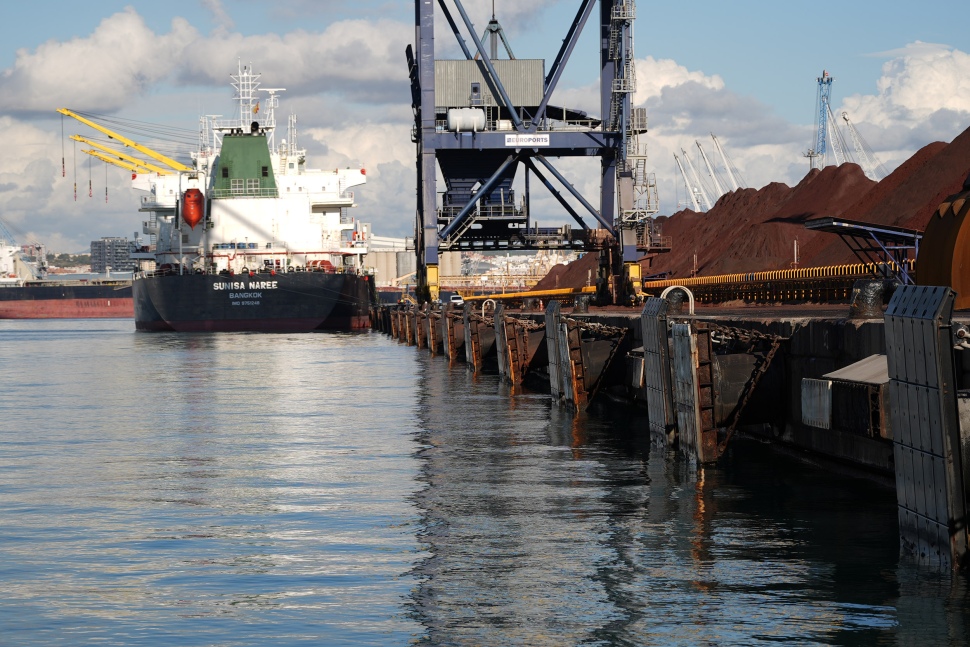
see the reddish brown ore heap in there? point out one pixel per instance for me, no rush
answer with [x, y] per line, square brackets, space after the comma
[750, 230]
[754, 230]
[572, 275]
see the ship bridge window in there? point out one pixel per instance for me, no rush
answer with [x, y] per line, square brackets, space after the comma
[237, 185]
[225, 171]
[265, 171]
[252, 185]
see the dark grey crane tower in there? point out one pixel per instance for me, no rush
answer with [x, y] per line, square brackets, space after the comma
[478, 119]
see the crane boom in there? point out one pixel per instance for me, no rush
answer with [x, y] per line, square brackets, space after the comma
[122, 156]
[158, 157]
[697, 179]
[690, 189]
[727, 164]
[836, 140]
[114, 160]
[710, 169]
[871, 166]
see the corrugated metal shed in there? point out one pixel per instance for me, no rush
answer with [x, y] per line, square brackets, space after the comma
[523, 80]
[871, 370]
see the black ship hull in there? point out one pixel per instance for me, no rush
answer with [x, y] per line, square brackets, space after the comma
[263, 302]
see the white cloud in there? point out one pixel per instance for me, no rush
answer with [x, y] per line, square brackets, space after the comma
[38, 203]
[923, 96]
[362, 60]
[219, 13]
[919, 80]
[102, 72]
[654, 75]
[123, 59]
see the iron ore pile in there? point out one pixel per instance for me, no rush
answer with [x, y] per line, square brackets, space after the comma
[752, 230]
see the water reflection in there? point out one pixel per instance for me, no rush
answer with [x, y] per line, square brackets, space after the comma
[204, 489]
[347, 490]
[545, 528]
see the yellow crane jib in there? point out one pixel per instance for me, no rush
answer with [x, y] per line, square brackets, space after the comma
[114, 160]
[158, 157]
[142, 166]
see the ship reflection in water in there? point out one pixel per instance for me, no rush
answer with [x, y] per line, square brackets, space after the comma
[342, 489]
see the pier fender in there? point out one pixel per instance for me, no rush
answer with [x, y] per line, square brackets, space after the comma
[502, 343]
[927, 444]
[656, 371]
[553, 316]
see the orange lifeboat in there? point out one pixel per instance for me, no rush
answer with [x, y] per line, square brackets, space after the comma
[192, 207]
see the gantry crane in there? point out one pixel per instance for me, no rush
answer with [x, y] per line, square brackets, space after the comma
[479, 119]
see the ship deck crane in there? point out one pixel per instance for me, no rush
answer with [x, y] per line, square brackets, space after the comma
[158, 157]
[112, 156]
[128, 166]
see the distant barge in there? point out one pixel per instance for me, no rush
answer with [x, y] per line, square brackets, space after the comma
[67, 299]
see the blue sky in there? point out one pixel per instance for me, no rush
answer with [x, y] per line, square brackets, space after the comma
[745, 71]
[768, 50]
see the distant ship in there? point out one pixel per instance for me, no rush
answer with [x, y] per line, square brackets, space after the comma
[25, 292]
[248, 238]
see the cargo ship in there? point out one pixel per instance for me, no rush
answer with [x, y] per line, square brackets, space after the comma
[247, 237]
[26, 293]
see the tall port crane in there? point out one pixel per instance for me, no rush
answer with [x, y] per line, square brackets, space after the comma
[826, 134]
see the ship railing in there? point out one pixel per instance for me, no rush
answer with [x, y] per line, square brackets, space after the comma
[261, 192]
[157, 202]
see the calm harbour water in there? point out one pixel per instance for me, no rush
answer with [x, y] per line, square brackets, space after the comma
[246, 489]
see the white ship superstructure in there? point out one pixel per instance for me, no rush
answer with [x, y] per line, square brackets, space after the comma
[248, 204]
